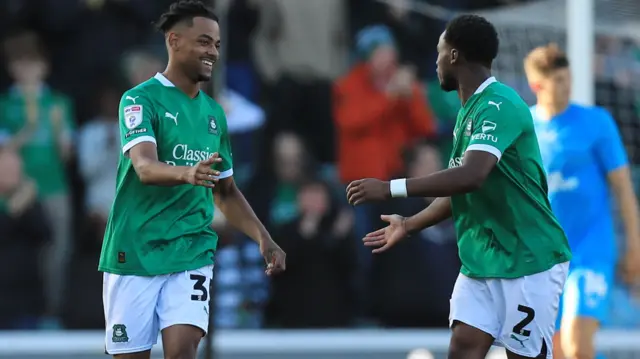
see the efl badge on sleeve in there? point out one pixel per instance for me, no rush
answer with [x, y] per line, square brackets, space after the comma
[132, 116]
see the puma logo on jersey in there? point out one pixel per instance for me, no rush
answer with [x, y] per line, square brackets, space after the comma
[496, 104]
[133, 99]
[171, 116]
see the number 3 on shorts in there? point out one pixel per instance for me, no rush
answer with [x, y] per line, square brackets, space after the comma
[530, 314]
[200, 293]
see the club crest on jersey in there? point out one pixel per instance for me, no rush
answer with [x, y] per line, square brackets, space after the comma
[213, 127]
[467, 131]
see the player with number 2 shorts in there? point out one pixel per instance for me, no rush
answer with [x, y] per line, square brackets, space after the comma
[515, 255]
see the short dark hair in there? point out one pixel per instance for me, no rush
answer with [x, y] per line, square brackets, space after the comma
[184, 10]
[475, 37]
[21, 44]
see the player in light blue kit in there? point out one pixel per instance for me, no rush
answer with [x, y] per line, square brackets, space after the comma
[585, 161]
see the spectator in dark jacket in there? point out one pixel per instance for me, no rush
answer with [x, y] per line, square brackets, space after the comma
[23, 231]
[412, 282]
[316, 290]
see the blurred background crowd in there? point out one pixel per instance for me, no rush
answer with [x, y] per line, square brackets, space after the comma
[299, 83]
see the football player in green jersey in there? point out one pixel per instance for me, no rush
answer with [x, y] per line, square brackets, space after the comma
[514, 254]
[157, 254]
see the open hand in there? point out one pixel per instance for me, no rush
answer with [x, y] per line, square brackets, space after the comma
[388, 236]
[274, 256]
[366, 190]
[201, 174]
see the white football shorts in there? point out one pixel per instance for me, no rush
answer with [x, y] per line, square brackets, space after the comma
[520, 314]
[137, 308]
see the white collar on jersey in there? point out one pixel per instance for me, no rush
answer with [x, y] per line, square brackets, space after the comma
[482, 86]
[163, 80]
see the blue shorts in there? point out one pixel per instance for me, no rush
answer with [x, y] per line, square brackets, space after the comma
[587, 293]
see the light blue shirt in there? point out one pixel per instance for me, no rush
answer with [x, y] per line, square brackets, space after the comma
[579, 148]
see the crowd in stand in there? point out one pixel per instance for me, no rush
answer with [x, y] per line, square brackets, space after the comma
[317, 94]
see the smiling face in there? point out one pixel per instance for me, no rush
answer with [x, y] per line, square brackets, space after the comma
[195, 47]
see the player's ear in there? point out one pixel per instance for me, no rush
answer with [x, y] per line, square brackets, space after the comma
[173, 40]
[454, 55]
[535, 87]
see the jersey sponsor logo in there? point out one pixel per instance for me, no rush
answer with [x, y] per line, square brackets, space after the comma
[182, 152]
[467, 131]
[496, 104]
[133, 116]
[172, 116]
[455, 162]
[488, 126]
[595, 288]
[213, 127]
[132, 99]
[484, 137]
[557, 182]
[135, 131]
[119, 334]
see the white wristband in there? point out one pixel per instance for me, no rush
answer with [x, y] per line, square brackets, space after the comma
[398, 187]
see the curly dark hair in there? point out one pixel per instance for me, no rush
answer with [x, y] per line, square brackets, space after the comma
[184, 10]
[475, 37]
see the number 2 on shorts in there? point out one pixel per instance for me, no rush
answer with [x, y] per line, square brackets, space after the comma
[201, 293]
[530, 314]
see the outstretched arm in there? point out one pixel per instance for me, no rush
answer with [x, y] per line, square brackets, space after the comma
[436, 212]
[495, 129]
[476, 166]
[468, 177]
[400, 227]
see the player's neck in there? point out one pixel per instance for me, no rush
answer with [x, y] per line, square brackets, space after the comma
[34, 88]
[547, 111]
[470, 80]
[182, 82]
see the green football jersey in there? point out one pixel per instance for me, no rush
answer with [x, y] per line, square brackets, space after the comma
[154, 230]
[506, 228]
[40, 154]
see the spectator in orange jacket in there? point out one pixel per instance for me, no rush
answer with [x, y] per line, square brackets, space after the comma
[379, 108]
